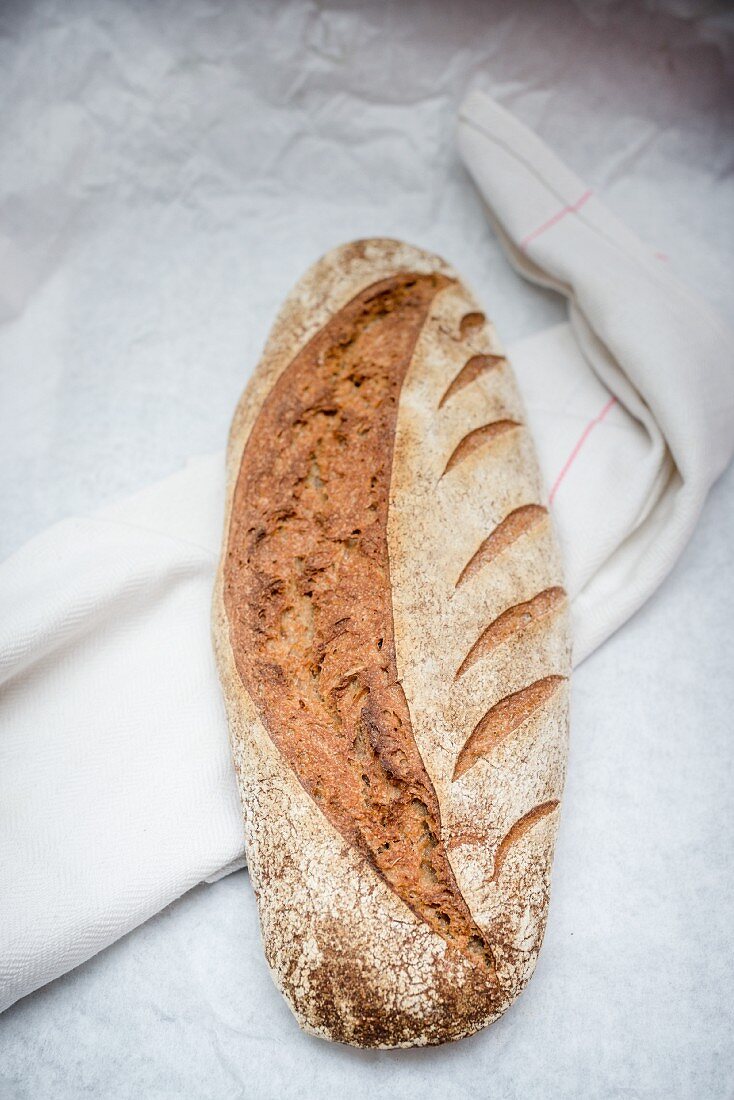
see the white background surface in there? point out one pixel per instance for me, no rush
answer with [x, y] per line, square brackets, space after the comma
[167, 170]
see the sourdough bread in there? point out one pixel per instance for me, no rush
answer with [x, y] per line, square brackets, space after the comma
[391, 631]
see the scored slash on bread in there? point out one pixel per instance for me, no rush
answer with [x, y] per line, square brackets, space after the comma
[392, 638]
[503, 719]
[518, 618]
[472, 369]
[479, 437]
[517, 523]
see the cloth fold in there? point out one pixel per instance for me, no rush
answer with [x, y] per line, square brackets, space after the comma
[116, 785]
[665, 357]
[116, 788]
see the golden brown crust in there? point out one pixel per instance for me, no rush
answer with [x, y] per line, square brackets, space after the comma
[357, 943]
[307, 593]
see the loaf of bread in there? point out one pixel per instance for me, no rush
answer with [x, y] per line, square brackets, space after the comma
[391, 631]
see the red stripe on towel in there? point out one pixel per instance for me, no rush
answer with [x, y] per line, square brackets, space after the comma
[579, 444]
[555, 219]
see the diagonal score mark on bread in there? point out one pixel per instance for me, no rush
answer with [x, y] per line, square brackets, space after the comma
[503, 719]
[522, 826]
[470, 323]
[477, 438]
[513, 526]
[514, 834]
[515, 620]
[472, 369]
[307, 588]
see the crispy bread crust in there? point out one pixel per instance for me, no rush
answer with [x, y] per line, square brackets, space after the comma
[480, 652]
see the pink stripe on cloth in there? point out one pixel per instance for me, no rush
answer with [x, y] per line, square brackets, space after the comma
[578, 445]
[555, 219]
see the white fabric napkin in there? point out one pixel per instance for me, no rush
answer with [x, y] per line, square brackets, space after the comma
[116, 786]
[116, 790]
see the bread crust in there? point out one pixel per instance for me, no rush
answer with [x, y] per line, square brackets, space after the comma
[354, 961]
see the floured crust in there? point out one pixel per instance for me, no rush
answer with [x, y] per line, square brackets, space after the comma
[355, 962]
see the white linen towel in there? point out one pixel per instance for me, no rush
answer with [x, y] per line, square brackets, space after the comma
[665, 359]
[116, 790]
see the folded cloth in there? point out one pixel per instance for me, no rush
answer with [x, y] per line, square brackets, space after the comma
[665, 358]
[116, 789]
[116, 786]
